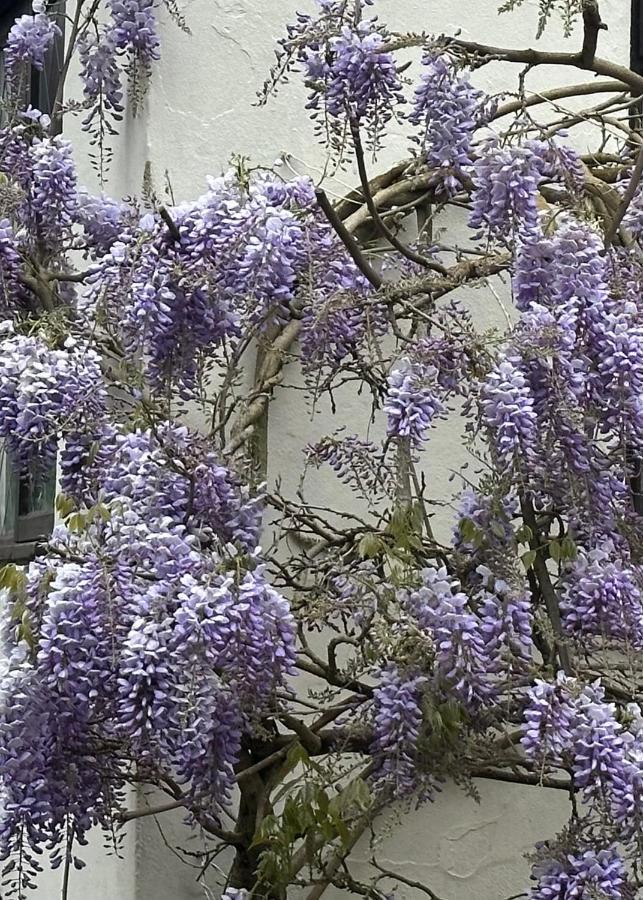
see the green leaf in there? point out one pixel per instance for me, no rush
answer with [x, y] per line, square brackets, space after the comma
[528, 559]
[8, 577]
[524, 534]
[555, 550]
[25, 631]
[104, 512]
[65, 505]
[568, 548]
[468, 529]
[370, 546]
[77, 522]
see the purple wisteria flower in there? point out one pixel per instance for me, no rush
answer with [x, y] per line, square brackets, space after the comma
[582, 875]
[412, 403]
[397, 719]
[45, 393]
[467, 653]
[352, 76]
[602, 596]
[507, 407]
[504, 199]
[549, 720]
[448, 109]
[358, 463]
[28, 42]
[134, 28]
[148, 644]
[13, 294]
[100, 74]
[53, 200]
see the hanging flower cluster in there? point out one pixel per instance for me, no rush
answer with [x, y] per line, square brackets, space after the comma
[46, 393]
[412, 403]
[470, 639]
[449, 109]
[28, 42]
[599, 873]
[167, 643]
[397, 719]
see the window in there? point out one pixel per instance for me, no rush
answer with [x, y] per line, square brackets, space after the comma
[27, 500]
[27, 513]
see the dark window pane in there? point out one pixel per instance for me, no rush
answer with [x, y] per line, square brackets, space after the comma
[37, 491]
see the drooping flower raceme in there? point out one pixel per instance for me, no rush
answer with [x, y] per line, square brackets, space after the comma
[100, 74]
[508, 411]
[504, 199]
[244, 255]
[411, 402]
[29, 40]
[467, 655]
[593, 873]
[397, 719]
[602, 597]
[53, 197]
[353, 77]
[168, 643]
[46, 393]
[549, 719]
[134, 28]
[447, 109]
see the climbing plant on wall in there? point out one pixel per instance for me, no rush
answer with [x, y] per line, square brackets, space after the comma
[282, 669]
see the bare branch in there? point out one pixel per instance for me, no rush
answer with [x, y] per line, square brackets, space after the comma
[381, 226]
[628, 196]
[560, 93]
[592, 24]
[348, 240]
[387, 873]
[486, 53]
[546, 587]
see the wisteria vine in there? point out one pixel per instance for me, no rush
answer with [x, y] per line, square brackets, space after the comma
[281, 661]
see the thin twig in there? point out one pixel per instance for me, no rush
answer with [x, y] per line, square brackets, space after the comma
[395, 876]
[628, 196]
[380, 224]
[347, 239]
[560, 93]
[485, 53]
[546, 587]
[171, 224]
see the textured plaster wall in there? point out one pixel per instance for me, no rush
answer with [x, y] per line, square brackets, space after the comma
[199, 111]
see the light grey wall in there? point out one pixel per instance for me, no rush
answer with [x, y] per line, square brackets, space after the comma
[198, 112]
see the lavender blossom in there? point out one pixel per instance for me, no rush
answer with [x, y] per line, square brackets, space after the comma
[29, 40]
[397, 720]
[592, 873]
[550, 717]
[100, 74]
[602, 596]
[506, 183]
[353, 77]
[412, 403]
[449, 110]
[134, 28]
[54, 200]
[467, 662]
[44, 393]
[508, 412]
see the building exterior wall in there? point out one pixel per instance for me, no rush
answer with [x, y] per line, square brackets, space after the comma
[198, 112]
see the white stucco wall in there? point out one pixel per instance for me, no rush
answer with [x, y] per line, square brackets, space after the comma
[199, 111]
